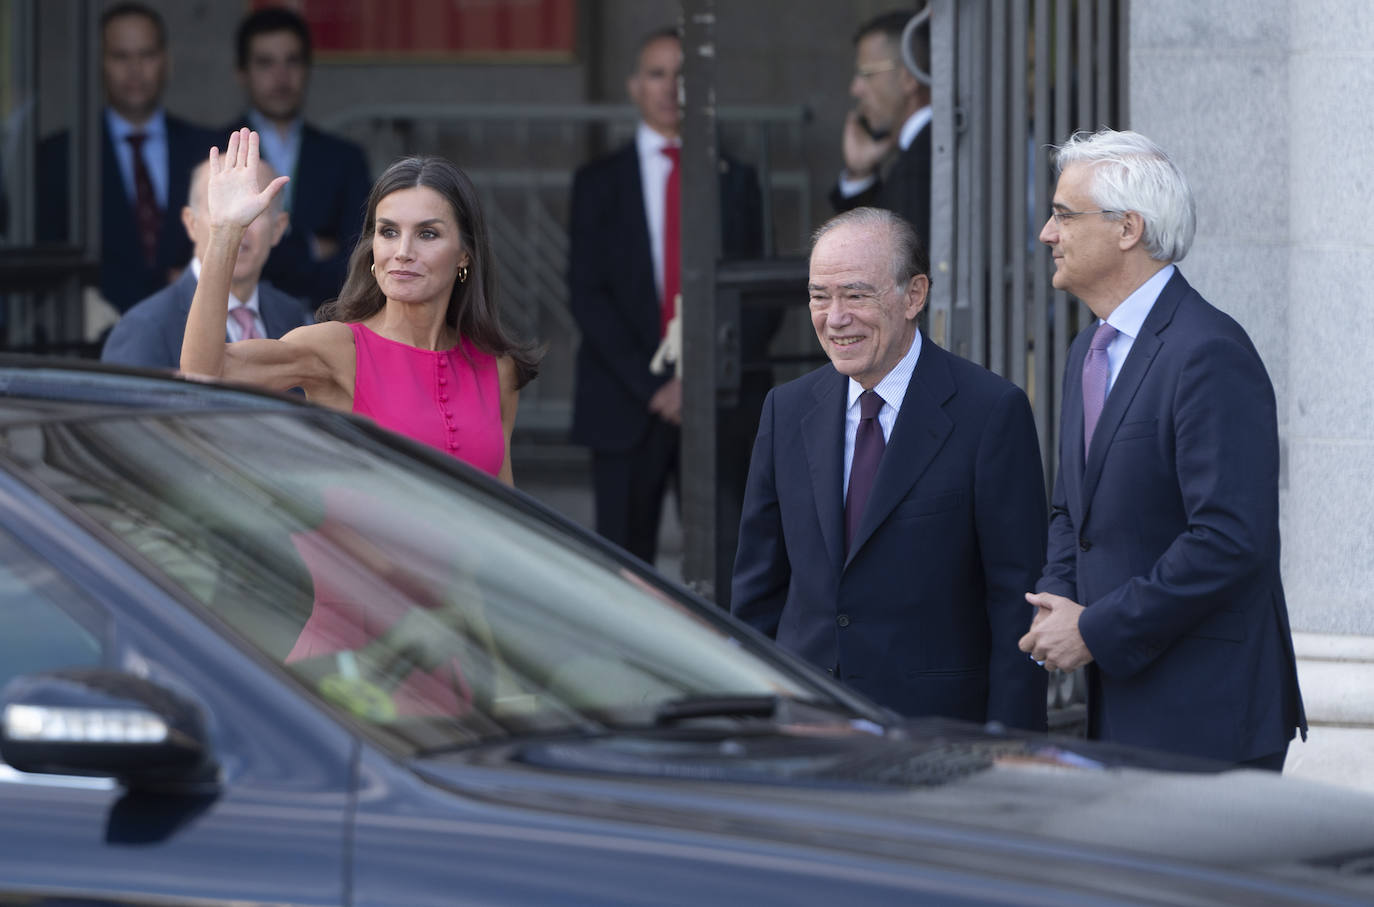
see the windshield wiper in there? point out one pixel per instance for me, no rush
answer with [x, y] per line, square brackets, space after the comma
[690, 707]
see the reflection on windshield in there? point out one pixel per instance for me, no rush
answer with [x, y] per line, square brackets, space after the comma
[412, 600]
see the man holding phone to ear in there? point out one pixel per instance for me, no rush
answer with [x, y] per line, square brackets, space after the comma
[890, 123]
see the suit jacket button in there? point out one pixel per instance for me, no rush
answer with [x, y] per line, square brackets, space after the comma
[842, 620]
[1084, 544]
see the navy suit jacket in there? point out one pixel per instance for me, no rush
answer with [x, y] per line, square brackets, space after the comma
[125, 277]
[613, 295]
[904, 187]
[150, 333]
[925, 612]
[329, 192]
[1168, 533]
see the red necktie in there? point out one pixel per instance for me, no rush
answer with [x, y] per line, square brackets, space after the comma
[147, 215]
[672, 240]
[868, 453]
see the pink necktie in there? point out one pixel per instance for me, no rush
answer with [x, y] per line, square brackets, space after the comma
[868, 452]
[248, 325]
[1096, 368]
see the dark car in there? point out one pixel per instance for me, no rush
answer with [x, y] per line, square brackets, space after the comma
[257, 652]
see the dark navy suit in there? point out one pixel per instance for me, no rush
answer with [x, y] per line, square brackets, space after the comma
[125, 276]
[329, 190]
[903, 187]
[615, 301]
[150, 333]
[925, 613]
[1168, 534]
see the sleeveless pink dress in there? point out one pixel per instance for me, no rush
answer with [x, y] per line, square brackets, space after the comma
[449, 399]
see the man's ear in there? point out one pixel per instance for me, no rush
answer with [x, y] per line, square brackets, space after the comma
[917, 295]
[188, 222]
[1132, 230]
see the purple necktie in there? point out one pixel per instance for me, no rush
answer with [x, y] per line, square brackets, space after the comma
[1096, 369]
[868, 451]
[248, 325]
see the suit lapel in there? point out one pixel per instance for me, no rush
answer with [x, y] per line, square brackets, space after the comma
[823, 437]
[921, 429]
[1133, 371]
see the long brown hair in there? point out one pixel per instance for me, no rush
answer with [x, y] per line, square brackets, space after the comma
[472, 306]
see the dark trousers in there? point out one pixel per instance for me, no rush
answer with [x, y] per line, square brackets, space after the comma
[629, 487]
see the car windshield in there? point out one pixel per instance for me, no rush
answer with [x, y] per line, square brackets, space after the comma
[426, 605]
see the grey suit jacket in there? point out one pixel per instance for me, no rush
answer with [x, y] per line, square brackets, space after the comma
[150, 333]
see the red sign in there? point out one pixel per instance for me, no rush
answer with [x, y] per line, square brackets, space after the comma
[503, 29]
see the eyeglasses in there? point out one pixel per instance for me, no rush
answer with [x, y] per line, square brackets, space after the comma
[868, 72]
[1061, 216]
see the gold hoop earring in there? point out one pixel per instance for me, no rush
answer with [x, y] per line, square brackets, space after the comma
[463, 274]
[372, 269]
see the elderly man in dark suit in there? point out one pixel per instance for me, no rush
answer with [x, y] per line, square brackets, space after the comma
[329, 175]
[623, 280]
[886, 137]
[895, 505]
[150, 333]
[146, 157]
[1163, 566]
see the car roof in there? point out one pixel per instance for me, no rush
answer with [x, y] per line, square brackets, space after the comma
[36, 388]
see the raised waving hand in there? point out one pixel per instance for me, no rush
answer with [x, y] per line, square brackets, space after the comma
[232, 196]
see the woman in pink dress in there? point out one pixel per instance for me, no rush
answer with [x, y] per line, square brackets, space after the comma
[415, 342]
[415, 339]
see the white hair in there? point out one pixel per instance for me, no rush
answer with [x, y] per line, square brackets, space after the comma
[1132, 173]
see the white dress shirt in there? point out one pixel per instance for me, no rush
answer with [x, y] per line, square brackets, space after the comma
[654, 167]
[1128, 317]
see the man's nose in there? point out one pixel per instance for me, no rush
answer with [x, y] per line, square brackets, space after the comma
[1049, 234]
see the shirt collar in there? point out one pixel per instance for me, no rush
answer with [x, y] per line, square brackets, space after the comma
[1128, 317]
[251, 302]
[913, 126]
[121, 128]
[650, 142]
[892, 387]
[263, 126]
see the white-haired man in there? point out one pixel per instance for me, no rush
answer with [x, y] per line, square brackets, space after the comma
[1163, 561]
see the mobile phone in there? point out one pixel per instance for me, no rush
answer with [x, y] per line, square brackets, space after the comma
[876, 135]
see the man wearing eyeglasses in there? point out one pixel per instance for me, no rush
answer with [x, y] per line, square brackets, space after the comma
[887, 135]
[1163, 558]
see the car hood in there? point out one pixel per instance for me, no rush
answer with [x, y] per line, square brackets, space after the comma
[953, 796]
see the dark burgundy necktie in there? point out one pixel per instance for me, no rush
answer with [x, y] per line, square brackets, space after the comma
[1096, 369]
[147, 215]
[868, 451]
[672, 239]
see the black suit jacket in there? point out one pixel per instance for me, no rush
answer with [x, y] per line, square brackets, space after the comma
[924, 613]
[613, 295]
[329, 192]
[150, 333]
[1168, 533]
[125, 277]
[904, 187]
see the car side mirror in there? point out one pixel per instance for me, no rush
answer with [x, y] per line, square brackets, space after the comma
[104, 723]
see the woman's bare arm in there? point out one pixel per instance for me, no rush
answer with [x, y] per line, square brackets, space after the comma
[233, 201]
